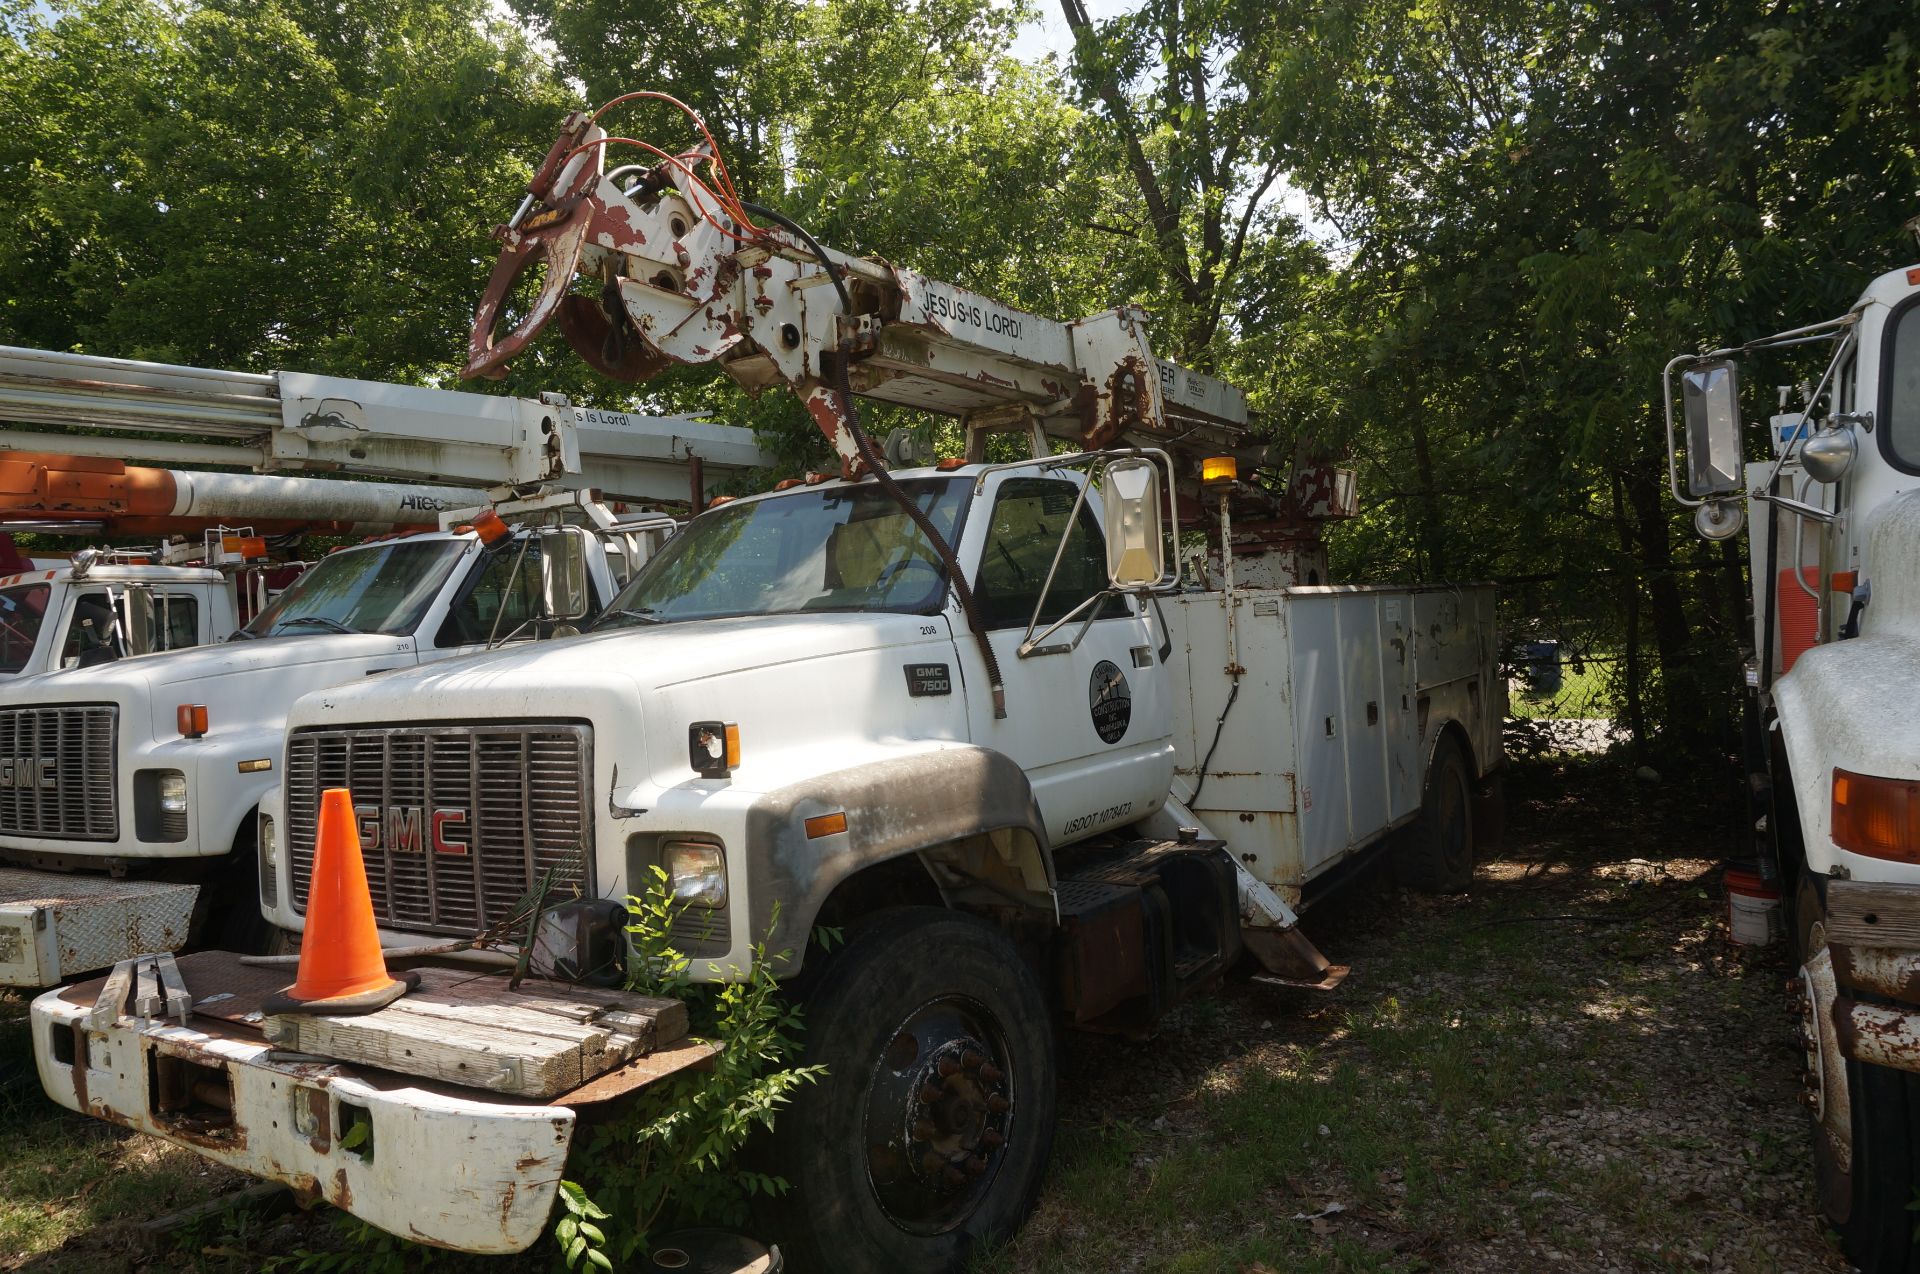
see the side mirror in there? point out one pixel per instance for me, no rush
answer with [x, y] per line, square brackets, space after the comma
[1136, 546]
[1710, 393]
[137, 624]
[563, 573]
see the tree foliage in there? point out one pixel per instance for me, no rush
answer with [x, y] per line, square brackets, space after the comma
[1519, 213]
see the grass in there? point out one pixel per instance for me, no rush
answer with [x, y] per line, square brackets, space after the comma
[1490, 1090]
[1583, 695]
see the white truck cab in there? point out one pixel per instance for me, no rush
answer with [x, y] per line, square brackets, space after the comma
[152, 766]
[1834, 677]
[67, 616]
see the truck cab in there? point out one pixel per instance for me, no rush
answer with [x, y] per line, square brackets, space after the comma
[71, 616]
[151, 767]
[1833, 512]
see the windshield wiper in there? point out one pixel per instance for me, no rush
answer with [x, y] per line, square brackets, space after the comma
[642, 613]
[241, 634]
[318, 621]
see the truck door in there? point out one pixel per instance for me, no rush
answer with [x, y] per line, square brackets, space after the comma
[1091, 726]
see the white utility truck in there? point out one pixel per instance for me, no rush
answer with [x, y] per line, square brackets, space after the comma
[128, 788]
[1835, 680]
[977, 715]
[201, 581]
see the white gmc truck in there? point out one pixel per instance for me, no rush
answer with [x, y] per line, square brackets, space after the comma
[1834, 686]
[979, 716]
[127, 789]
[89, 611]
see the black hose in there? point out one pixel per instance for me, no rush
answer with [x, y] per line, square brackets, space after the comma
[870, 456]
[1219, 728]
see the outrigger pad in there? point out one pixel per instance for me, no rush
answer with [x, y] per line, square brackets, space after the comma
[370, 1001]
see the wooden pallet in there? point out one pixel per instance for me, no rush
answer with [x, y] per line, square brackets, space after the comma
[464, 1027]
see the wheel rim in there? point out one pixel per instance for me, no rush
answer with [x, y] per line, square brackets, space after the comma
[939, 1110]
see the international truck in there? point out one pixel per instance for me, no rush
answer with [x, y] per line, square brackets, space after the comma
[128, 784]
[978, 716]
[1833, 679]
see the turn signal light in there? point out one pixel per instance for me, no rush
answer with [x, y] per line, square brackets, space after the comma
[1843, 581]
[247, 546]
[713, 748]
[1219, 469]
[192, 719]
[1877, 817]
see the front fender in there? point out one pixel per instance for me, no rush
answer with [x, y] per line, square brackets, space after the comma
[913, 803]
[228, 798]
[1849, 705]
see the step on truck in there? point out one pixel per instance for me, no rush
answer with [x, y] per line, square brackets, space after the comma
[1833, 679]
[980, 716]
[128, 786]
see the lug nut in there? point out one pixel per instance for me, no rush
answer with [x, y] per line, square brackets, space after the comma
[1809, 1100]
[947, 1066]
[976, 1165]
[954, 1177]
[992, 1139]
[1806, 1008]
[972, 1059]
[998, 1104]
[933, 1163]
[931, 1092]
[924, 1130]
[1796, 986]
[991, 1074]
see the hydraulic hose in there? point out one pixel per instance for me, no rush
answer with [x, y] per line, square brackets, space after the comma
[876, 465]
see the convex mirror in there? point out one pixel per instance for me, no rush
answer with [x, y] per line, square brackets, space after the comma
[1136, 544]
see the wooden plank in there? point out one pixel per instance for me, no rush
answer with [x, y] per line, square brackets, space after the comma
[641, 1071]
[535, 1041]
[1862, 914]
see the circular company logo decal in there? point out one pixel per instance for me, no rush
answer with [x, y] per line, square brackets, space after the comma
[1110, 700]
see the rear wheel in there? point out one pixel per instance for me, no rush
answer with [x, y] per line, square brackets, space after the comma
[930, 1131]
[1437, 855]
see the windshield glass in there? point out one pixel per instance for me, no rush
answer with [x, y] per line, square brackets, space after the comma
[23, 608]
[379, 589]
[837, 549]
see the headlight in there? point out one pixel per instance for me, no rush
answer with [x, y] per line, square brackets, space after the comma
[269, 864]
[697, 872]
[173, 792]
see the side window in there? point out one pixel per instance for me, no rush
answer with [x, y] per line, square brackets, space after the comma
[1029, 517]
[92, 637]
[498, 601]
[1902, 433]
[176, 622]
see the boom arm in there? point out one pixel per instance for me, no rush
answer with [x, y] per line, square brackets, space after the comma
[682, 276]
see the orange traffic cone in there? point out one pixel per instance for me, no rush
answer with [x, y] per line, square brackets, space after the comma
[341, 967]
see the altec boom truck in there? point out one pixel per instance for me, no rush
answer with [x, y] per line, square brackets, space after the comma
[128, 788]
[978, 715]
[1835, 681]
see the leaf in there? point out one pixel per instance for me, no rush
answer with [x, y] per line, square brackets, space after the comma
[599, 1260]
[357, 1135]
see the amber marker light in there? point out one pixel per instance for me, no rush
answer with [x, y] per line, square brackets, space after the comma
[491, 529]
[192, 719]
[826, 825]
[1219, 469]
[1876, 817]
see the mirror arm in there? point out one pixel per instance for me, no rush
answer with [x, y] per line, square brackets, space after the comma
[1030, 645]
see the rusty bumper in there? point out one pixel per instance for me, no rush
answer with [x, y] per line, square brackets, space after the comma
[426, 1162]
[1873, 935]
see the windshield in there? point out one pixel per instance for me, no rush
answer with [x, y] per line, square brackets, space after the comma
[23, 608]
[381, 589]
[836, 549]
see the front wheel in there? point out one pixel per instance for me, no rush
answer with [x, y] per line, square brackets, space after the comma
[1866, 1191]
[930, 1131]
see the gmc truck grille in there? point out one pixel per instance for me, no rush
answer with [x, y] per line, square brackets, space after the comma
[58, 772]
[457, 823]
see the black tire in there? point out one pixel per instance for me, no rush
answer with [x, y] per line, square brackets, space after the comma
[1437, 855]
[894, 1165]
[1869, 1205]
[231, 918]
[1832, 1182]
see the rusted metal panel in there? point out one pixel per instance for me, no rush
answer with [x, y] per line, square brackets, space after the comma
[1878, 1034]
[1878, 970]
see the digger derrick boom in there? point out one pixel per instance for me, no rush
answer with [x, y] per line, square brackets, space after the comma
[679, 281]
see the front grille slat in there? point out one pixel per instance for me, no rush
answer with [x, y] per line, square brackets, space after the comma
[79, 800]
[521, 789]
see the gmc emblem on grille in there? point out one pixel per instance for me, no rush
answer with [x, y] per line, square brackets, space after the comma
[397, 829]
[27, 772]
